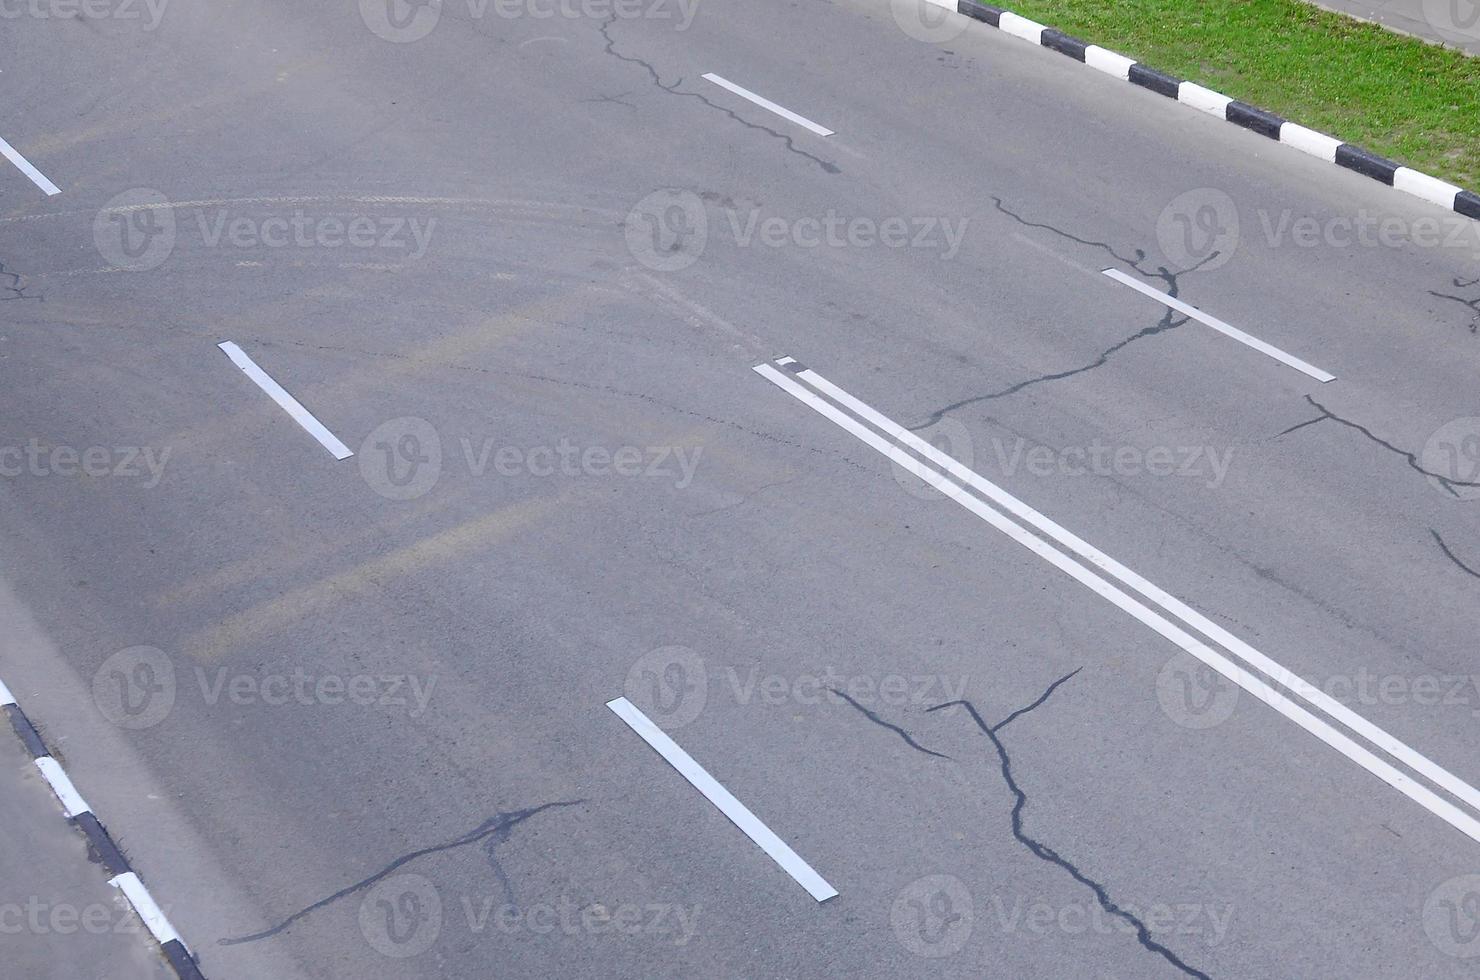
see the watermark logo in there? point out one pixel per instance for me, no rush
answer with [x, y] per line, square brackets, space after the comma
[143, 463]
[951, 437]
[149, 11]
[667, 230]
[401, 21]
[138, 230]
[135, 230]
[1453, 453]
[659, 921]
[38, 917]
[402, 459]
[933, 916]
[404, 21]
[135, 688]
[401, 916]
[1367, 230]
[1451, 917]
[670, 685]
[1199, 229]
[1456, 21]
[1183, 919]
[1203, 463]
[1194, 695]
[834, 230]
[138, 687]
[926, 21]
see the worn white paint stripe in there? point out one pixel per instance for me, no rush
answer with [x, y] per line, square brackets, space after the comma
[1400, 781]
[764, 103]
[1214, 103]
[1281, 675]
[5, 696]
[1422, 185]
[1248, 339]
[741, 816]
[1107, 61]
[1309, 141]
[289, 404]
[1028, 30]
[143, 903]
[37, 177]
[56, 777]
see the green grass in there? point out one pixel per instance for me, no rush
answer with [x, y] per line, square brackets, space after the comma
[1414, 102]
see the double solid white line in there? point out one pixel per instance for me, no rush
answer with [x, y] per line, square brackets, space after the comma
[829, 401]
[722, 798]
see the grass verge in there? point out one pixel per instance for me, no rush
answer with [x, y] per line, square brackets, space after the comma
[1414, 102]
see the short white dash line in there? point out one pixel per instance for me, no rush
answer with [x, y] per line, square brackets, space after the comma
[784, 113]
[37, 177]
[289, 404]
[1289, 360]
[739, 815]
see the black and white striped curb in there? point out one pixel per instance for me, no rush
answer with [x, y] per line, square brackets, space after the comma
[120, 875]
[1240, 113]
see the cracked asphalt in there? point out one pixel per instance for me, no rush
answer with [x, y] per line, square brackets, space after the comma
[347, 717]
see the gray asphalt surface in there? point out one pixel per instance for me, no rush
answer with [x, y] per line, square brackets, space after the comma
[58, 916]
[348, 717]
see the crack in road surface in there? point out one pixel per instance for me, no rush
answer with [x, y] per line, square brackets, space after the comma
[871, 716]
[1043, 851]
[1449, 483]
[14, 289]
[1170, 320]
[672, 89]
[492, 832]
[1451, 555]
[1473, 304]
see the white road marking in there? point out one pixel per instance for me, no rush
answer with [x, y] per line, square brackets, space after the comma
[783, 855]
[5, 696]
[144, 904]
[1256, 686]
[784, 113]
[1289, 360]
[37, 177]
[289, 404]
[1282, 676]
[61, 785]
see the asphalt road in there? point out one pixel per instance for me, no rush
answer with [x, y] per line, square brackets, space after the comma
[348, 717]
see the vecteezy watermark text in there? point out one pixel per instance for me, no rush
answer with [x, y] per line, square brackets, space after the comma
[139, 229]
[673, 684]
[98, 462]
[668, 230]
[405, 21]
[403, 459]
[137, 688]
[148, 11]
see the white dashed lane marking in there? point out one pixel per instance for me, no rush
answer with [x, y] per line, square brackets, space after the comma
[738, 813]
